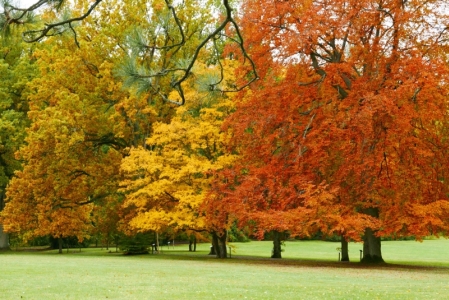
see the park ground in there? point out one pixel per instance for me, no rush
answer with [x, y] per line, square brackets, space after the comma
[309, 270]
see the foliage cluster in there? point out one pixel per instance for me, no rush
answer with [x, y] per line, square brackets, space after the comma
[344, 135]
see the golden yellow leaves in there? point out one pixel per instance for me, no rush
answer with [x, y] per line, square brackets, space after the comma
[71, 157]
[166, 181]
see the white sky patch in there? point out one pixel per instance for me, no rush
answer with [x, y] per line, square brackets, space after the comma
[25, 3]
[20, 3]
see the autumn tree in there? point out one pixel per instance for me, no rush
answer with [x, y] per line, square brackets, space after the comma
[16, 69]
[73, 149]
[166, 180]
[268, 188]
[160, 41]
[67, 168]
[106, 219]
[163, 67]
[365, 87]
[83, 121]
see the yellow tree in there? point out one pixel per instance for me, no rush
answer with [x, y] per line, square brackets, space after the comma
[70, 163]
[167, 179]
[16, 69]
[164, 68]
[73, 148]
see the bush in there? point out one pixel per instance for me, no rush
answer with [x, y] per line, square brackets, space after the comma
[137, 244]
[397, 238]
[237, 235]
[40, 241]
[68, 242]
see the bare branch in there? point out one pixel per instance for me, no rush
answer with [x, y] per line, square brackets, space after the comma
[32, 36]
[308, 126]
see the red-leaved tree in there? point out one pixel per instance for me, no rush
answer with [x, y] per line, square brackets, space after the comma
[347, 130]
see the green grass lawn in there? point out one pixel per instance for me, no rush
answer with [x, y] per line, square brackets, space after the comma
[309, 270]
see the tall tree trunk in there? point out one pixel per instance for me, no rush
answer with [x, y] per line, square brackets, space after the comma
[4, 237]
[219, 244]
[213, 249]
[192, 244]
[276, 245]
[116, 238]
[371, 247]
[371, 243]
[60, 244]
[344, 249]
[223, 252]
[2, 199]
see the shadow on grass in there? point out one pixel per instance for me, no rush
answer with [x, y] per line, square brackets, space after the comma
[293, 262]
[202, 256]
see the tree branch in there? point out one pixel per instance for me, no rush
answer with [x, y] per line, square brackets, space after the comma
[31, 36]
[228, 20]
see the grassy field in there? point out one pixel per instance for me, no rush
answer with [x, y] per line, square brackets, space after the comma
[309, 270]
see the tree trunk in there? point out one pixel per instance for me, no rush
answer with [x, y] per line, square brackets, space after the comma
[4, 237]
[344, 249]
[223, 251]
[116, 238]
[219, 244]
[371, 243]
[60, 244]
[276, 245]
[2, 199]
[371, 247]
[213, 249]
[192, 244]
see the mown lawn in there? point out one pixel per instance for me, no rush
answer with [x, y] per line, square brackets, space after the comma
[308, 271]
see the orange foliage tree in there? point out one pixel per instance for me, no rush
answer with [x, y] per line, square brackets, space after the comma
[270, 188]
[355, 95]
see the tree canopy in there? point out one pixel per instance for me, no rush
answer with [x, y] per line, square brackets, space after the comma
[364, 92]
[148, 116]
